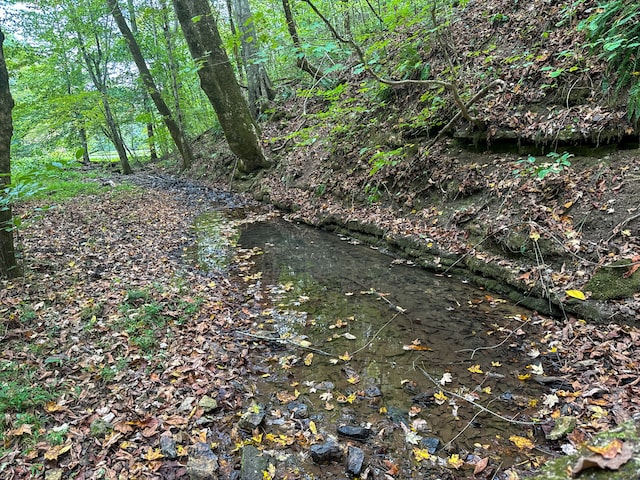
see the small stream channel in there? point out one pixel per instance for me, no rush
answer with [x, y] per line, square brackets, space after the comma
[407, 332]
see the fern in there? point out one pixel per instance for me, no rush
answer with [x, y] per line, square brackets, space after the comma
[614, 31]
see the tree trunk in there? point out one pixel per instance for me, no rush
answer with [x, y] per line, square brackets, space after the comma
[301, 60]
[219, 83]
[113, 133]
[8, 264]
[173, 67]
[260, 89]
[174, 130]
[236, 50]
[82, 135]
[96, 67]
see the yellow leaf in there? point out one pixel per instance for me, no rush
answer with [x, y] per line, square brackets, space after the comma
[351, 398]
[575, 294]
[54, 452]
[535, 236]
[454, 461]
[610, 450]
[346, 357]
[440, 397]
[496, 364]
[487, 390]
[521, 442]
[313, 428]
[421, 454]
[525, 376]
[353, 380]
[153, 454]
[382, 410]
[308, 359]
[475, 369]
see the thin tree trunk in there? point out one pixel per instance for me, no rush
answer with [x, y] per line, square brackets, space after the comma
[234, 32]
[173, 67]
[219, 82]
[174, 130]
[82, 136]
[260, 89]
[8, 264]
[98, 77]
[301, 60]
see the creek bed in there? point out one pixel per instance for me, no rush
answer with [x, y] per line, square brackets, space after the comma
[425, 361]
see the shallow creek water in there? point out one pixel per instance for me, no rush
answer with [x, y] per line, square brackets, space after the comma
[405, 329]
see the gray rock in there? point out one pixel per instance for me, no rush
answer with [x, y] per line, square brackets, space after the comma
[355, 460]
[168, 446]
[254, 463]
[298, 409]
[202, 463]
[357, 433]
[430, 443]
[326, 452]
[252, 418]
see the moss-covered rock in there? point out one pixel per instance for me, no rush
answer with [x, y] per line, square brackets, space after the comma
[561, 468]
[609, 283]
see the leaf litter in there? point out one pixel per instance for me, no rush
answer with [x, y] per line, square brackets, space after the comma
[128, 338]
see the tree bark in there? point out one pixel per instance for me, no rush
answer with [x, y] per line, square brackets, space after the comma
[8, 264]
[219, 83]
[176, 133]
[260, 89]
[97, 72]
[301, 60]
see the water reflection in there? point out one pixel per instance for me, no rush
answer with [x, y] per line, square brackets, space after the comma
[403, 322]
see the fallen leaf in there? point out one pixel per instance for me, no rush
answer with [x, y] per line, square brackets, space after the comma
[446, 378]
[419, 348]
[575, 294]
[521, 442]
[421, 454]
[475, 369]
[598, 461]
[54, 452]
[308, 360]
[610, 450]
[454, 461]
[481, 465]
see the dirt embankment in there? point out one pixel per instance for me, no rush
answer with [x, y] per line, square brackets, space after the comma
[543, 230]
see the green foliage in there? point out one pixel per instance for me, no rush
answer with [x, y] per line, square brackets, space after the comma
[382, 159]
[530, 167]
[19, 390]
[614, 32]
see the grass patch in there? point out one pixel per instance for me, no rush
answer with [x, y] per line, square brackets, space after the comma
[142, 320]
[19, 390]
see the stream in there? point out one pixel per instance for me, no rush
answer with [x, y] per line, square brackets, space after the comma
[422, 361]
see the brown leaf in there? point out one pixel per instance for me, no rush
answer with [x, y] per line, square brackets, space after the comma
[598, 461]
[481, 465]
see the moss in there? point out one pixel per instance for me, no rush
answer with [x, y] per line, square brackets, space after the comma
[560, 468]
[608, 283]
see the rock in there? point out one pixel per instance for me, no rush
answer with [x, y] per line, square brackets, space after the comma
[430, 443]
[208, 404]
[55, 474]
[252, 418]
[202, 463]
[372, 391]
[298, 409]
[168, 446]
[355, 460]
[254, 463]
[357, 433]
[187, 404]
[326, 452]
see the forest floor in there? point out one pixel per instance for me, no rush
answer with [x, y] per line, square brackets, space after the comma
[119, 355]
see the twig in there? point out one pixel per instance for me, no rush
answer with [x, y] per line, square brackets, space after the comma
[617, 228]
[477, 405]
[375, 335]
[473, 351]
[286, 341]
